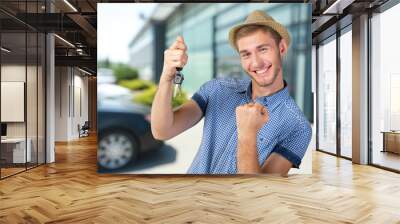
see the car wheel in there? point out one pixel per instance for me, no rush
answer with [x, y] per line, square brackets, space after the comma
[116, 149]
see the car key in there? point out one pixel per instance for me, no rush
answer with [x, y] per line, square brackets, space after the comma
[178, 82]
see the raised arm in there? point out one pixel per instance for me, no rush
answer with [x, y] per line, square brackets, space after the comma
[250, 118]
[166, 123]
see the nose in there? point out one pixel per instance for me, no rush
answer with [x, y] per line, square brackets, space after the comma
[256, 61]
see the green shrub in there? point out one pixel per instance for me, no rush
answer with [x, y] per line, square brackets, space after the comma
[179, 100]
[124, 72]
[136, 84]
[146, 97]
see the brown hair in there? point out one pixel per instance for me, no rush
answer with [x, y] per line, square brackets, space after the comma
[247, 30]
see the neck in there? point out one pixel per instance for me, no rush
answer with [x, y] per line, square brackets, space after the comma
[259, 91]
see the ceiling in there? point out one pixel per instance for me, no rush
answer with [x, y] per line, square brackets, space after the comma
[74, 22]
[328, 16]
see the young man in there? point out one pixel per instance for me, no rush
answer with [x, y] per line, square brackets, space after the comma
[250, 126]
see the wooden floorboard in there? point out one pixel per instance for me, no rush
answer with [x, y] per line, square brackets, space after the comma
[71, 191]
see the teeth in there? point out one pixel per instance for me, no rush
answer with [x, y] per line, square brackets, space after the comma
[261, 71]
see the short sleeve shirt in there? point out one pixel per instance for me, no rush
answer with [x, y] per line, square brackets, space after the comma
[287, 132]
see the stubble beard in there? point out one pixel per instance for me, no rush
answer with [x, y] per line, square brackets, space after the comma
[275, 74]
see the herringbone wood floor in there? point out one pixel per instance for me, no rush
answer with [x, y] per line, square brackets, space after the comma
[70, 191]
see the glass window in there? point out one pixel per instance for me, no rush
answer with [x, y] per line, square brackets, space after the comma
[385, 89]
[31, 96]
[229, 17]
[13, 86]
[41, 99]
[200, 65]
[197, 31]
[222, 35]
[346, 94]
[327, 96]
[22, 93]
[228, 64]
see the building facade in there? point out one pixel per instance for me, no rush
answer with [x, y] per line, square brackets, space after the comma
[205, 28]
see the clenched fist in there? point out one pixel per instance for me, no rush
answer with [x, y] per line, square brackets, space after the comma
[175, 56]
[250, 118]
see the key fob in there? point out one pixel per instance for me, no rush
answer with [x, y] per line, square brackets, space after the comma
[178, 76]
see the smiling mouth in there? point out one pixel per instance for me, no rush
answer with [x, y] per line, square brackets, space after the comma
[259, 72]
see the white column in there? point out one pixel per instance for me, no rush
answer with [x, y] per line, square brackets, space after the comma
[360, 90]
[50, 101]
[50, 92]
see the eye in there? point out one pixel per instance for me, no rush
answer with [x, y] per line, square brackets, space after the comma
[264, 49]
[245, 55]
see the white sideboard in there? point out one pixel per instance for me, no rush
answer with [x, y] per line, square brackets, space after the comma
[18, 148]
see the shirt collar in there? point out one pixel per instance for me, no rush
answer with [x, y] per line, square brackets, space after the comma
[269, 101]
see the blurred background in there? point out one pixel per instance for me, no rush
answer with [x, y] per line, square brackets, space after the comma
[131, 42]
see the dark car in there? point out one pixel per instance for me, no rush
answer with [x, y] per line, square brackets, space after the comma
[123, 133]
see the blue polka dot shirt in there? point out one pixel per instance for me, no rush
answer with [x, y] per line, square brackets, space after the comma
[287, 131]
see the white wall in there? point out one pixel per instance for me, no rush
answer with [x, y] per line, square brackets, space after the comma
[80, 108]
[12, 100]
[16, 73]
[71, 94]
[33, 126]
[62, 81]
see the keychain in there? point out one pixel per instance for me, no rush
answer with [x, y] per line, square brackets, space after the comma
[178, 82]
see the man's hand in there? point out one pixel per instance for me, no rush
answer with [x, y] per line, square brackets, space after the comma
[167, 123]
[250, 118]
[175, 56]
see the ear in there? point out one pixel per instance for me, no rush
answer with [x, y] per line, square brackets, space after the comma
[282, 48]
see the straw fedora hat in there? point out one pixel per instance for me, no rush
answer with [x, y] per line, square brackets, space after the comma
[259, 17]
